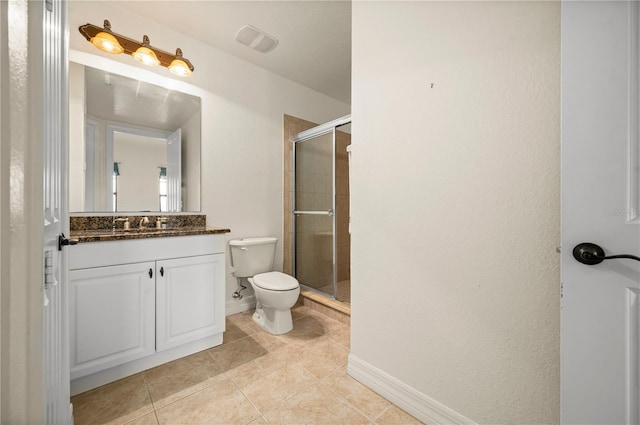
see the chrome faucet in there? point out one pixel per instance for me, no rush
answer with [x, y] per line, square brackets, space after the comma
[143, 222]
[125, 223]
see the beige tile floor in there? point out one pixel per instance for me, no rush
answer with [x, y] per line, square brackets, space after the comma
[253, 378]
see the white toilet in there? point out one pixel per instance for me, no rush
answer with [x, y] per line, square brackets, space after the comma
[276, 292]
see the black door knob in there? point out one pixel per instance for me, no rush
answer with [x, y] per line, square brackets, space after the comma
[63, 241]
[590, 254]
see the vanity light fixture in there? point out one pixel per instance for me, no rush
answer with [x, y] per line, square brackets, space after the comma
[110, 42]
[144, 54]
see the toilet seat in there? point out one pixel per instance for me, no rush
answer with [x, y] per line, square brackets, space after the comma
[275, 281]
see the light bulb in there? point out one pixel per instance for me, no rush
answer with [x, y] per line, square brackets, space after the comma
[107, 43]
[178, 66]
[146, 56]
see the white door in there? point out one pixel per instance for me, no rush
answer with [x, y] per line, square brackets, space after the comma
[600, 332]
[55, 134]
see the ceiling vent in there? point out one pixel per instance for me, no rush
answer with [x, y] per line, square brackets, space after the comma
[256, 39]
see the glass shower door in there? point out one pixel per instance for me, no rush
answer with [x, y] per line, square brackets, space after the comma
[314, 212]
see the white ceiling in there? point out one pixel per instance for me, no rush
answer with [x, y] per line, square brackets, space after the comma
[314, 46]
[113, 97]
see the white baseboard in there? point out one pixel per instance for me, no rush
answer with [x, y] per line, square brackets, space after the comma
[238, 306]
[407, 398]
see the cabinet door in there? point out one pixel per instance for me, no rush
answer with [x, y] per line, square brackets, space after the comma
[189, 299]
[112, 316]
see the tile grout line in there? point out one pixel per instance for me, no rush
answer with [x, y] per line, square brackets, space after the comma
[146, 384]
[192, 394]
[383, 412]
[340, 343]
[348, 403]
[150, 399]
[231, 342]
[314, 381]
[260, 414]
[153, 403]
[222, 378]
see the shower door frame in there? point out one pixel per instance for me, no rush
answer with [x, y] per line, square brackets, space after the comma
[305, 136]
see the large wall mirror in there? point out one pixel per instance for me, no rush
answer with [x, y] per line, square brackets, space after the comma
[134, 146]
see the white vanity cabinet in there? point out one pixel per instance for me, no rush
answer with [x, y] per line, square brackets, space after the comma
[138, 303]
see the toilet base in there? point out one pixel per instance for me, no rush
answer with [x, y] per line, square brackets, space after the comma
[276, 322]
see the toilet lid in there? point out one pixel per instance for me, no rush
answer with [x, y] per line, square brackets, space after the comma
[275, 281]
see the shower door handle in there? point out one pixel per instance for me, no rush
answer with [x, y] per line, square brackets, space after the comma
[331, 212]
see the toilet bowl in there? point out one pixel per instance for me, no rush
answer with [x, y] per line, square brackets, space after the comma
[275, 292]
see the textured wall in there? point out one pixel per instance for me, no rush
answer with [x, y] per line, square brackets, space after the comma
[455, 202]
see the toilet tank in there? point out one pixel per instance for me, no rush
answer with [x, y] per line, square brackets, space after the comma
[252, 256]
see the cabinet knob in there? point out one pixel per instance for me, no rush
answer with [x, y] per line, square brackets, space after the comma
[161, 271]
[150, 273]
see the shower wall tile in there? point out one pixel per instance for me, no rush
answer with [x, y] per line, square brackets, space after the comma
[288, 206]
[342, 186]
[344, 271]
[342, 205]
[344, 251]
[342, 167]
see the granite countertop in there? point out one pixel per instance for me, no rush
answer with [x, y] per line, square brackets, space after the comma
[110, 228]
[119, 234]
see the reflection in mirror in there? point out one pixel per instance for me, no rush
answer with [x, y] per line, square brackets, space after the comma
[134, 146]
[140, 185]
[131, 183]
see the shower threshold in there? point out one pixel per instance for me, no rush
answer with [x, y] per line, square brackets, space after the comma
[315, 300]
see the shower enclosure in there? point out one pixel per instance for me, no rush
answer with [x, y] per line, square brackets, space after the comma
[321, 240]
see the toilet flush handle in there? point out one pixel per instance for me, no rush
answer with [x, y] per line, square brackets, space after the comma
[244, 248]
